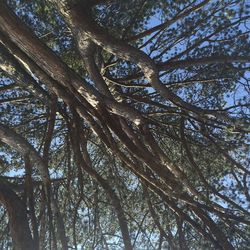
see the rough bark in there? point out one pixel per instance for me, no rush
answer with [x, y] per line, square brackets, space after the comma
[17, 212]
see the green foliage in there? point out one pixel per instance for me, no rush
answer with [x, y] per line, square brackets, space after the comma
[217, 143]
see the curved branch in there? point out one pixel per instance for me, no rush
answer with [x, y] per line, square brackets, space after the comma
[79, 19]
[84, 162]
[17, 142]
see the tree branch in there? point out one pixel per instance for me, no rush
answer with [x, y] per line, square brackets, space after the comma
[202, 61]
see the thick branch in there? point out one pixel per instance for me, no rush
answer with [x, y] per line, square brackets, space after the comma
[56, 68]
[79, 18]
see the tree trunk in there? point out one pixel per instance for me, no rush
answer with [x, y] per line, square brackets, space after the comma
[17, 212]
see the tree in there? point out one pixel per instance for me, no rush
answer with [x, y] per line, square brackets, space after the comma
[124, 124]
